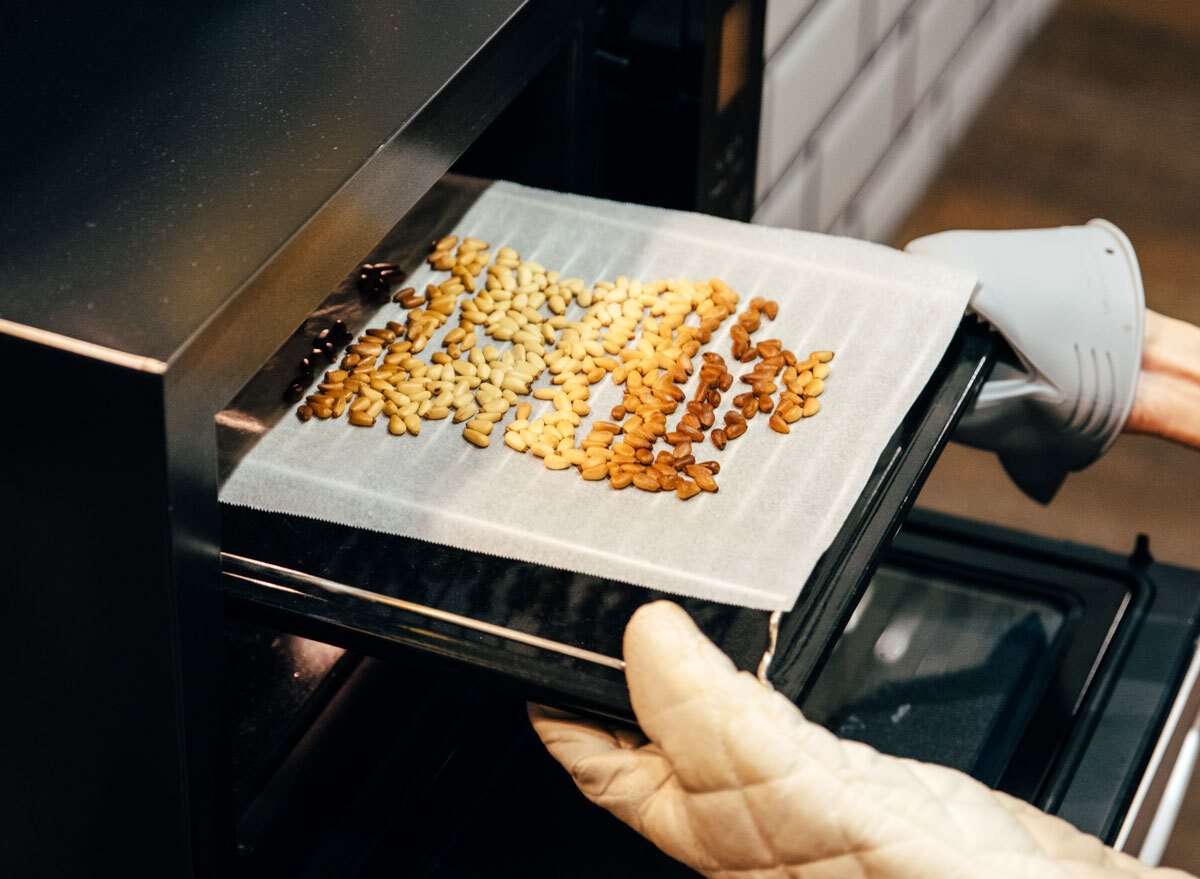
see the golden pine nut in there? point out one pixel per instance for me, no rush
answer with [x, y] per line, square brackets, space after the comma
[476, 438]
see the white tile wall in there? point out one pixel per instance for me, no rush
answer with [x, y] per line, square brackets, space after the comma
[886, 14]
[792, 202]
[862, 99]
[910, 164]
[857, 134]
[782, 18]
[977, 69]
[803, 80]
[941, 27]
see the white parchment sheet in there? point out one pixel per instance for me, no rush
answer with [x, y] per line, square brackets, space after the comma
[889, 317]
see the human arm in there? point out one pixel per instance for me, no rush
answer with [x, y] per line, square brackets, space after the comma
[1168, 395]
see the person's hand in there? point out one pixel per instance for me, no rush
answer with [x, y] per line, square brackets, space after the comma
[732, 780]
[1168, 395]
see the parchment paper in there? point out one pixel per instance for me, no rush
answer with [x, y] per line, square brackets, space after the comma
[887, 314]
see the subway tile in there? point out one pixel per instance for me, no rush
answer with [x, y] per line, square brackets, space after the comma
[978, 68]
[887, 13]
[857, 133]
[905, 171]
[941, 27]
[782, 18]
[792, 202]
[804, 79]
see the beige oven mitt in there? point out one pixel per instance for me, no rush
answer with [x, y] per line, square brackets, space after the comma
[732, 780]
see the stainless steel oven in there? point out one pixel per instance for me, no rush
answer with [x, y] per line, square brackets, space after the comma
[201, 689]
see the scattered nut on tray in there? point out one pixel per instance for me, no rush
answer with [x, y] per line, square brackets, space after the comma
[636, 333]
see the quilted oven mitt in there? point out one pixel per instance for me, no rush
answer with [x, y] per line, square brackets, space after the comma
[732, 780]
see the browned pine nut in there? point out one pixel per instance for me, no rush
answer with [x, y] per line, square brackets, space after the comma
[621, 479]
[645, 481]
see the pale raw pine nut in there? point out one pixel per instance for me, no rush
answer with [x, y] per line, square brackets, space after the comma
[476, 438]
[412, 421]
[515, 441]
[523, 411]
[466, 412]
[541, 449]
[594, 472]
[555, 461]
[574, 457]
[484, 427]
[396, 425]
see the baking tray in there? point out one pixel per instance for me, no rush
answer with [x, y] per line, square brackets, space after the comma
[550, 634]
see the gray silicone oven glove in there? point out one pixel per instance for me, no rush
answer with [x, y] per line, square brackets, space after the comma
[1070, 304]
[728, 777]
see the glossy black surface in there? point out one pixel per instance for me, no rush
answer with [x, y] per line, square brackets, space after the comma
[937, 670]
[979, 653]
[660, 69]
[194, 203]
[276, 685]
[161, 197]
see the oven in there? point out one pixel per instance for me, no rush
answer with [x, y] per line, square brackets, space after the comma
[195, 688]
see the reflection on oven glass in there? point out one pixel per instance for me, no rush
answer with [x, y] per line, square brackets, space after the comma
[936, 669]
[270, 676]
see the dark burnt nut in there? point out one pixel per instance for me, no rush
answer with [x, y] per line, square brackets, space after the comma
[295, 391]
[376, 279]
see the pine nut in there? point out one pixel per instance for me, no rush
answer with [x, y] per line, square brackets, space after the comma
[476, 438]
[645, 481]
